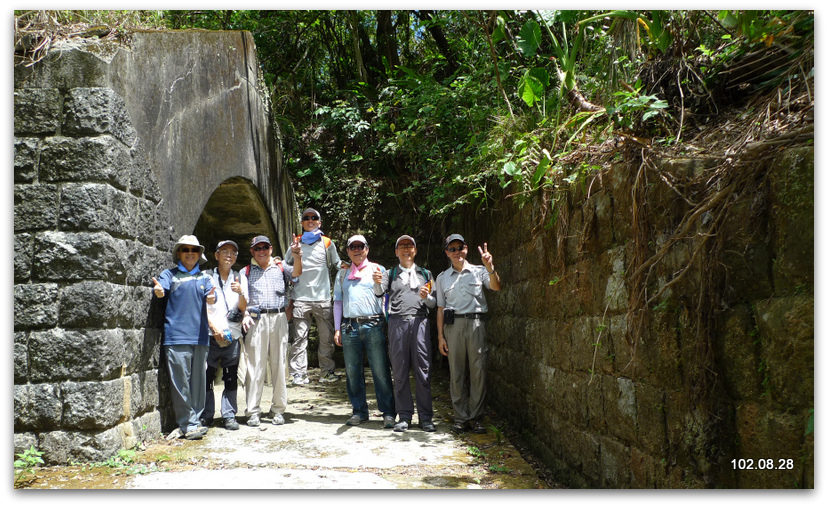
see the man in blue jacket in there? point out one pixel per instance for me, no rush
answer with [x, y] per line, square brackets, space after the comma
[187, 290]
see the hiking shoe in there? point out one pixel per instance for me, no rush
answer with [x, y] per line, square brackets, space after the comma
[459, 427]
[207, 422]
[477, 427]
[253, 420]
[195, 434]
[402, 425]
[388, 421]
[428, 426]
[355, 420]
[300, 379]
[278, 419]
[329, 377]
[230, 423]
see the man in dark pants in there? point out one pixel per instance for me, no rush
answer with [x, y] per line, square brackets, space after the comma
[225, 317]
[409, 342]
[461, 329]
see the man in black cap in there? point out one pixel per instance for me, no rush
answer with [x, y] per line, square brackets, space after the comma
[266, 326]
[461, 329]
[312, 298]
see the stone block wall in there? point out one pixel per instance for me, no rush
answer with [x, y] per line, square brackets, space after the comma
[119, 149]
[560, 367]
[89, 231]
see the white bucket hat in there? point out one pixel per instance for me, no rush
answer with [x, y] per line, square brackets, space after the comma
[189, 240]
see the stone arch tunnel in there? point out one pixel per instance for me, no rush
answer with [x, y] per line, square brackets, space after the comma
[235, 211]
[119, 149]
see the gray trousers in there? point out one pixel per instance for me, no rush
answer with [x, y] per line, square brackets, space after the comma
[322, 312]
[409, 348]
[187, 365]
[466, 340]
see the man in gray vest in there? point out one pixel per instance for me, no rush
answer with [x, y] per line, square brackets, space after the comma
[410, 292]
[461, 329]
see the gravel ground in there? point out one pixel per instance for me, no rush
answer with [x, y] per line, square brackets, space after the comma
[315, 449]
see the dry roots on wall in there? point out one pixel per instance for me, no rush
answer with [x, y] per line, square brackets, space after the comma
[738, 178]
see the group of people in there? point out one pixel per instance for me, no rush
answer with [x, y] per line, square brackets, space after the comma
[224, 319]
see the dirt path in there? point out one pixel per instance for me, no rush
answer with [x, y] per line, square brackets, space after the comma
[314, 449]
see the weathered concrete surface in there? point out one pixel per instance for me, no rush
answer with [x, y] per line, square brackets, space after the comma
[197, 104]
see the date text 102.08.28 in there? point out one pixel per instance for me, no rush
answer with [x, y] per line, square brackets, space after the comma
[763, 464]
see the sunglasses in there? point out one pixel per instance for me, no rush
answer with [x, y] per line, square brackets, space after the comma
[357, 247]
[309, 218]
[453, 249]
[406, 247]
[189, 250]
[260, 248]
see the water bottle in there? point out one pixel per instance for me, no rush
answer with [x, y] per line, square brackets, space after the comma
[228, 335]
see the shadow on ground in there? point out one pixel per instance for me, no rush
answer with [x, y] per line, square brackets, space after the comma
[314, 449]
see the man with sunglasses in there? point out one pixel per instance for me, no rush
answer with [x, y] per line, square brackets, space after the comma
[266, 326]
[409, 343]
[312, 298]
[186, 291]
[358, 324]
[461, 329]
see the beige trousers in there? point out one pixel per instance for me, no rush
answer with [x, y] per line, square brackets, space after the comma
[466, 340]
[266, 345]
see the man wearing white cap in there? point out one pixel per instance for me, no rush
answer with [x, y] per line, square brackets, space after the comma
[409, 342]
[358, 320]
[312, 298]
[461, 329]
[267, 328]
[188, 291]
[225, 323]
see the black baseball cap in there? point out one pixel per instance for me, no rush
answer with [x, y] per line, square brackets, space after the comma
[454, 237]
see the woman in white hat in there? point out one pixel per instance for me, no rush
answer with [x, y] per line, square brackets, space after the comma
[187, 290]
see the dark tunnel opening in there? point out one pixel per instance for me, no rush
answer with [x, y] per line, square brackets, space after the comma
[237, 212]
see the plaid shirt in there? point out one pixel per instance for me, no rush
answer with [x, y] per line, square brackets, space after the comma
[266, 287]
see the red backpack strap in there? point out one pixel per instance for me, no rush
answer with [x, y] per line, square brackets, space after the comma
[247, 271]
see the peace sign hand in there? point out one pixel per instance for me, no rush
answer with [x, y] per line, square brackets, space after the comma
[486, 256]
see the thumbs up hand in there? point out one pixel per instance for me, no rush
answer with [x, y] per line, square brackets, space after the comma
[211, 296]
[158, 289]
[295, 247]
[377, 275]
[235, 286]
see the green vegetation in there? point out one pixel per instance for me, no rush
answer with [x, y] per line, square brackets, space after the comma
[400, 117]
[26, 463]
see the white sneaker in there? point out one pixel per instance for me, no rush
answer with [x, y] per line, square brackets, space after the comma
[329, 377]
